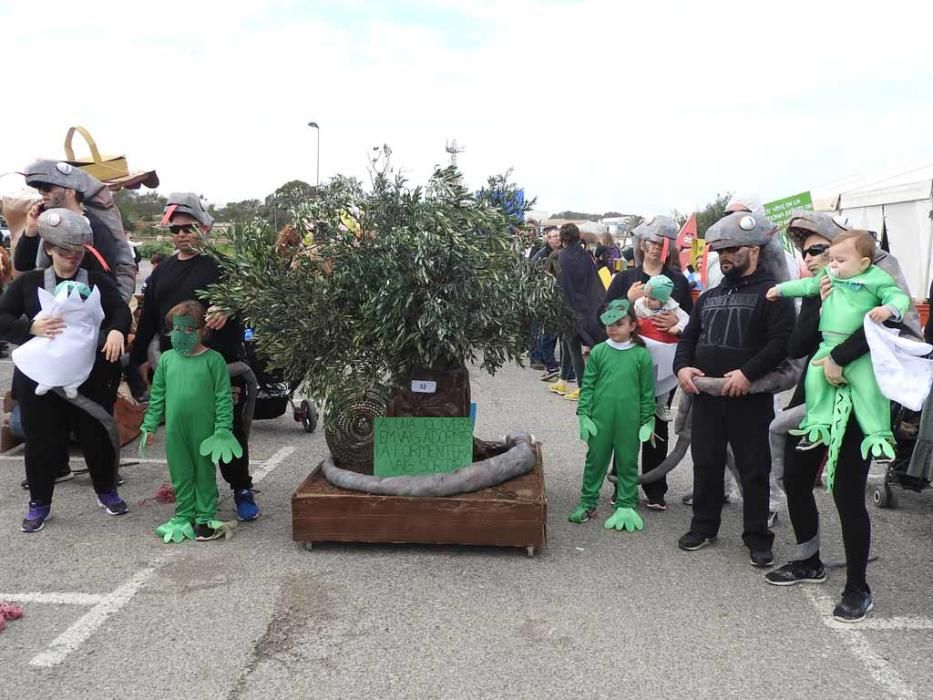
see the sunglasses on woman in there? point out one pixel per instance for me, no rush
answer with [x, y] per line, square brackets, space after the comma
[814, 251]
[183, 228]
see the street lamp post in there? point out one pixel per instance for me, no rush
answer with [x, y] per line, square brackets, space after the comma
[317, 174]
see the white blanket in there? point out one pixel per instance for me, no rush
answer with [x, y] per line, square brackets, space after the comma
[67, 359]
[662, 356]
[903, 373]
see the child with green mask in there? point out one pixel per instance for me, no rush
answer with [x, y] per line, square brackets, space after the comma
[191, 389]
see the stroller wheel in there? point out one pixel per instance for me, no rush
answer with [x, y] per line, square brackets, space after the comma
[883, 496]
[308, 416]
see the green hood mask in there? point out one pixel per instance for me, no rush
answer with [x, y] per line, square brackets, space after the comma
[184, 334]
[618, 308]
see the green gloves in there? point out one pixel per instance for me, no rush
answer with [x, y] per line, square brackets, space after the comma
[646, 432]
[624, 519]
[221, 446]
[143, 436]
[587, 428]
[175, 530]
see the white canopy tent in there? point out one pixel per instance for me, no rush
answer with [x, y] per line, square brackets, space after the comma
[898, 201]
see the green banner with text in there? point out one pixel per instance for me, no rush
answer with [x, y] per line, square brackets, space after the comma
[411, 446]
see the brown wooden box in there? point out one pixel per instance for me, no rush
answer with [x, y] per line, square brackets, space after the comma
[512, 514]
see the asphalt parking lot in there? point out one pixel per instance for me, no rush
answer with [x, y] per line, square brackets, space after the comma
[111, 611]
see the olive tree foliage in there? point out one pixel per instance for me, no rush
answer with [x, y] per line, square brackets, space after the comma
[387, 279]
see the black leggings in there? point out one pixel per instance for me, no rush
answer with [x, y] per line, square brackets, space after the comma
[800, 469]
[47, 424]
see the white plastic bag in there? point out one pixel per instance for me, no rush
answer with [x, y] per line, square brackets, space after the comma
[903, 373]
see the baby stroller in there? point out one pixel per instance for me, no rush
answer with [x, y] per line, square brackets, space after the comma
[275, 392]
[905, 424]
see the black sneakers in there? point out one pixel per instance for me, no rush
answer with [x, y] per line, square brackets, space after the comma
[762, 558]
[855, 605]
[205, 532]
[692, 541]
[795, 572]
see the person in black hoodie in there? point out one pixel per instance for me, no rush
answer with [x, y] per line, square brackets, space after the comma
[735, 333]
[584, 295]
[183, 277]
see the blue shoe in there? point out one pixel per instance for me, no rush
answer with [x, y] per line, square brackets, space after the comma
[112, 502]
[246, 508]
[36, 517]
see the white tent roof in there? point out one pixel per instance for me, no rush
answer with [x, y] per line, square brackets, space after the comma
[900, 183]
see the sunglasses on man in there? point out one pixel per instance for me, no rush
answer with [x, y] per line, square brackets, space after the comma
[816, 250]
[44, 187]
[183, 228]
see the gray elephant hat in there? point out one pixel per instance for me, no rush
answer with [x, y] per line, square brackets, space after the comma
[740, 229]
[53, 172]
[186, 203]
[804, 223]
[656, 228]
[65, 229]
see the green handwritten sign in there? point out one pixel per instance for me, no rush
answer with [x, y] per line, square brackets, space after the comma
[410, 446]
[780, 210]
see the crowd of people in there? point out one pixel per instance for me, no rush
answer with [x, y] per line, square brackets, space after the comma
[74, 287]
[730, 351]
[638, 333]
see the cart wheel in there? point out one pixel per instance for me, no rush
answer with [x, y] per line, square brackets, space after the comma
[883, 497]
[308, 416]
[307, 546]
[530, 550]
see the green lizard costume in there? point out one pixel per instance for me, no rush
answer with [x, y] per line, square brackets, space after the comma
[842, 314]
[193, 393]
[616, 413]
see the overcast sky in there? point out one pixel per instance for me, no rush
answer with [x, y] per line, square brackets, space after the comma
[597, 105]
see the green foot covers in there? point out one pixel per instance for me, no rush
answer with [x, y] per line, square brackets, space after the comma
[175, 530]
[878, 445]
[587, 428]
[581, 514]
[817, 434]
[221, 446]
[624, 519]
[222, 527]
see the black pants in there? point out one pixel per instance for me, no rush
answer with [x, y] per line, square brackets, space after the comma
[800, 470]
[236, 473]
[651, 457]
[47, 423]
[742, 423]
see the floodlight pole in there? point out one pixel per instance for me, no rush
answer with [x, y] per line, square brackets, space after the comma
[317, 173]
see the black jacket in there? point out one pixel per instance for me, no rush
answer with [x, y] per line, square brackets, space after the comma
[171, 283]
[583, 292]
[733, 326]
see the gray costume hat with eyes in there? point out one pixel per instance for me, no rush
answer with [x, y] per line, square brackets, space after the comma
[52, 172]
[65, 229]
[744, 229]
[656, 229]
[186, 203]
[804, 223]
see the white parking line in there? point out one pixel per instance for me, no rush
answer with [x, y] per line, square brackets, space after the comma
[271, 463]
[54, 598]
[853, 637]
[74, 636]
[104, 606]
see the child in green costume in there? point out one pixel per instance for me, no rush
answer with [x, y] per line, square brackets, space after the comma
[616, 413]
[859, 288]
[191, 388]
